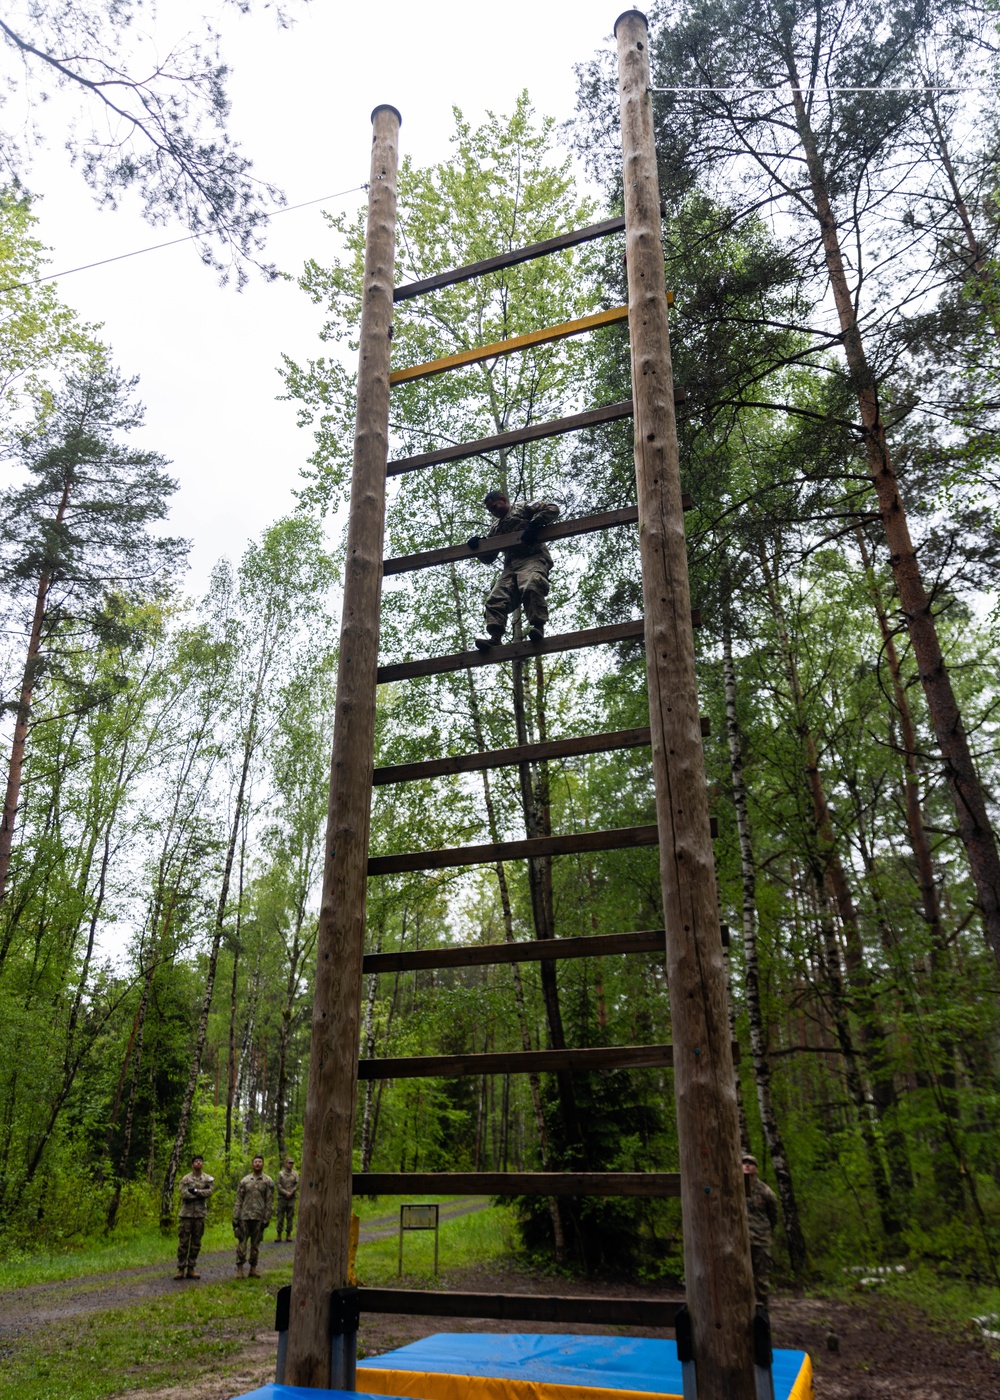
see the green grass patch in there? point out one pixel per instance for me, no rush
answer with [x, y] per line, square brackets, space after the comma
[949, 1303]
[203, 1329]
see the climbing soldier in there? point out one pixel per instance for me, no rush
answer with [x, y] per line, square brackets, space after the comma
[251, 1215]
[525, 577]
[195, 1190]
[762, 1214]
[288, 1189]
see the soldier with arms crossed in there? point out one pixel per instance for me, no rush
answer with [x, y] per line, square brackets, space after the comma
[288, 1189]
[251, 1214]
[195, 1190]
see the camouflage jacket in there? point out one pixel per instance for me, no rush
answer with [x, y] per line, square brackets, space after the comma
[254, 1198]
[288, 1181]
[520, 515]
[195, 1191]
[762, 1212]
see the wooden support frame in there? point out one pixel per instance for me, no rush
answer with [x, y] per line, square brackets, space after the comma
[517, 255]
[534, 432]
[323, 1237]
[521, 1307]
[545, 335]
[716, 1240]
[593, 945]
[659, 1185]
[518, 1062]
[530, 848]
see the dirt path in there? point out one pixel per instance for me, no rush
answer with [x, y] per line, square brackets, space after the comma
[38, 1304]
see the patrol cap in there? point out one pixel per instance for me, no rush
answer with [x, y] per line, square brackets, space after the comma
[749, 1157]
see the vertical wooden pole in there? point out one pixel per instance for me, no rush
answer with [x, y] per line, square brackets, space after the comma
[718, 1276]
[323, 1239]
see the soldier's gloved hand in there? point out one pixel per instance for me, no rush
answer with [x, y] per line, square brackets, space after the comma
[530, 533]
[473, 541]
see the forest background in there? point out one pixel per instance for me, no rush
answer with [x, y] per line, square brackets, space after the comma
[836, 326]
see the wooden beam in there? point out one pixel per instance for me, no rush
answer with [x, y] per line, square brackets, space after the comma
[543, 336]
[520, 1307]
[716, 1241]
[530, 848]
[655, 1184]
[324, 1228]
[594, 945]
[511, 259]
[525, 753]
[563, 641]
[534, 432]
[518, 1062]
[563, 529]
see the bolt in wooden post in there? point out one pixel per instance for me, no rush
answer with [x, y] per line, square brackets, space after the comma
[323, 1238]
[717, 1270]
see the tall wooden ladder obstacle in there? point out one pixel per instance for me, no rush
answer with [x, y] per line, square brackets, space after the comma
[321, 1312]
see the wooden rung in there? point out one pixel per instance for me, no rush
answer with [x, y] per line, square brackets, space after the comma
[518, 1062]
[543, 336]
[563, 641]
[511, 259]
[595, 945]
[657, 1184]
[531, 848]
[526, 753]
[520, 1307]
[534, 432]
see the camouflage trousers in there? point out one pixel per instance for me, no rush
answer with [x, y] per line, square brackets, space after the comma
[760, 1256]
[249, 1232]
[286, 1214]
[191, 1228]
[525, 582]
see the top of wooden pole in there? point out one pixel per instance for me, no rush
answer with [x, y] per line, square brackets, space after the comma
[629, 14]
[386, 107]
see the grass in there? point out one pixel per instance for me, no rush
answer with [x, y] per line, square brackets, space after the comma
[147, 1247]
[204, 1330]
[949, 1303]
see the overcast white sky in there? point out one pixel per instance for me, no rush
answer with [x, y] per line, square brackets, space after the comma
[302, 103]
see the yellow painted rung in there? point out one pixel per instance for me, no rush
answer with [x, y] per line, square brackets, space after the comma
[517, 342]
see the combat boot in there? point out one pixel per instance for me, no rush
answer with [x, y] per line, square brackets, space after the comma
[536, 632]
[254, 1271]
[239, 1270]
[179, 1274]
[493, 640]
[193, 1273]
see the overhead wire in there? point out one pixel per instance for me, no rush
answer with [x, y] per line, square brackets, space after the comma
[978, 87]
[170, 243]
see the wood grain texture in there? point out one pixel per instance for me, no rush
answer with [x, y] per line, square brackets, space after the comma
[594, 945]
[520, 1307]
[518, 1062]
[716, 1242]
[658, 1185]
[571, 239]
[529, 848]
[321, 1251]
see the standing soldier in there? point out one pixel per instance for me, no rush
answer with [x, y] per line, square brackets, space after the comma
[288, 1189]
[251, 1214]
[526, 565]
[195, 1190]
[762, 1214]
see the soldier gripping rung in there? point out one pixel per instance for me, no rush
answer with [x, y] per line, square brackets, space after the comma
[534, 432]
[510, 259]
[564, 641]
[518, 1062]
[654, 1184]
[531, 848]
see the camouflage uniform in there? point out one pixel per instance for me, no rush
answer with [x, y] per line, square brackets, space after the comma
[287, 1181]
[251, 1214]
[195, 1190]
[525, 577]
[762, 1214]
